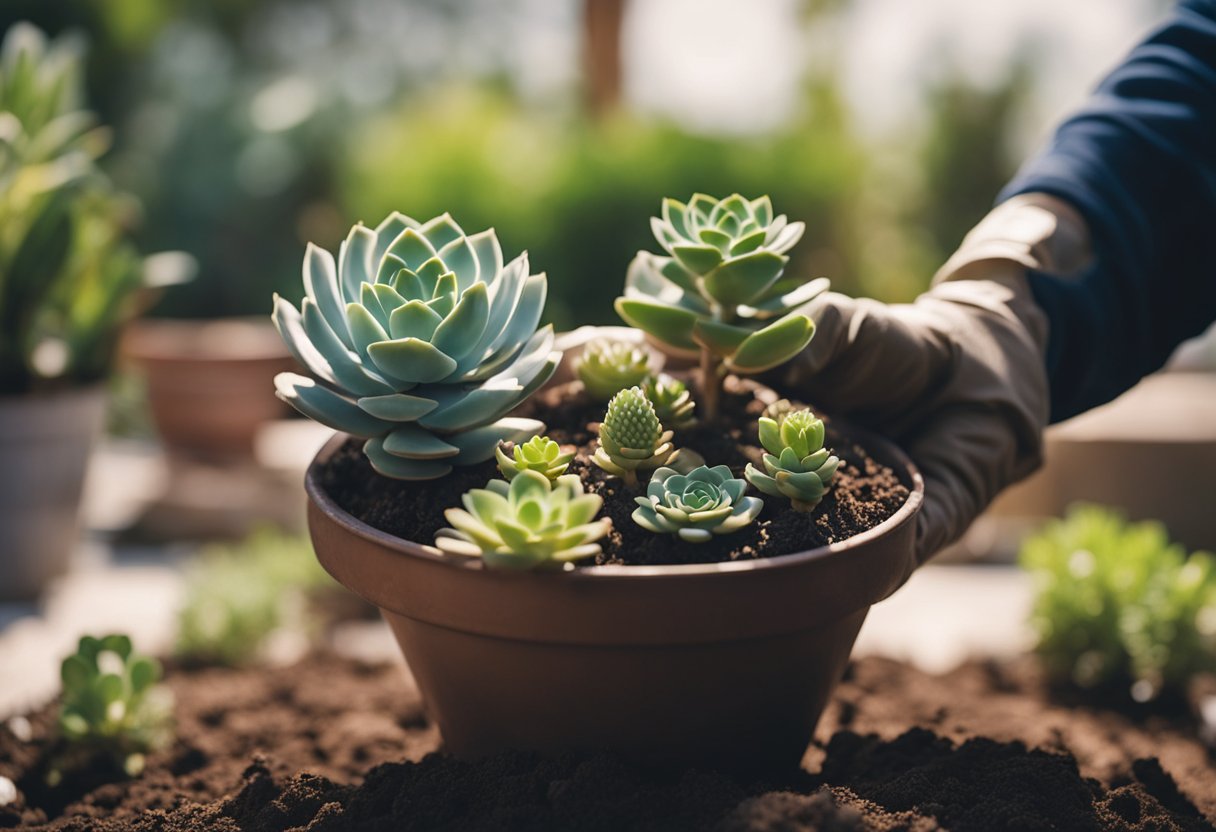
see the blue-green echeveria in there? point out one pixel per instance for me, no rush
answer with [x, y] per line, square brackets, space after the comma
[420, 341]
[697, 505]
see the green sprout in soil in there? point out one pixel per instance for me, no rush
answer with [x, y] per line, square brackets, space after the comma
[719, 292]
[697, 505]
[112, 709]
[421, 342]
[672, 401]
[608, 367]
[237, 595]
[540, 453]
[1119, 607]
[526, 523]
[797, 465]
[632, 438]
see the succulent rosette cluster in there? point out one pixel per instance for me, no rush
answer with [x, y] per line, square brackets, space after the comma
[797, 464]
[697, 505]
[607, 367]
[540, 453]
[672, 401]
[420, 340]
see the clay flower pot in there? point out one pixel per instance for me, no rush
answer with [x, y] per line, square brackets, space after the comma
[725, 665]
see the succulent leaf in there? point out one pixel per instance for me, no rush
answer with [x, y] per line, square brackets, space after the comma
[423, 339]
[632, 438]
[673, 402]
[608, 367]
[540, 453]
[526, 523]
[797, 465]
[697, 505]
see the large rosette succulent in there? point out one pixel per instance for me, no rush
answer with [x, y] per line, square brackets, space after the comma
[420, 341]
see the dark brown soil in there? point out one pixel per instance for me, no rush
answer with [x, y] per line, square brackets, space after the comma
[331, 745]
[863, 494]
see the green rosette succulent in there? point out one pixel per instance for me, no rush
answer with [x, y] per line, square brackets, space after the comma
[632, 438]
[420, 341]
[607, 367]
[797, 465]
[672, 401]
[526, 523]
[719, 291]
[540, 453]
[697, 505]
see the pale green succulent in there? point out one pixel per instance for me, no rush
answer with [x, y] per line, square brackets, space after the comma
[608, 367]
[526, 523]
[797, 464]
[421, 341]
[540, 453]
[672, 401]
[697, 505]
[632, 438]
[719, 291]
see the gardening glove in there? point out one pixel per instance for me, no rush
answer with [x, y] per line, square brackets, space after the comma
[958, 378]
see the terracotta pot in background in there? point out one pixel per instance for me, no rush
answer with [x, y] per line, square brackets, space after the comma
[44, 451]
[725, 665]
[210, 384]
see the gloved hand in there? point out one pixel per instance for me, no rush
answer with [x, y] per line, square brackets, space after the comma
[958, 378]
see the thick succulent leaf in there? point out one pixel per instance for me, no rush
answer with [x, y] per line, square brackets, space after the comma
[489, 255]
[291, 329]
[651, 520]
[321, 284]
[691, 534]
[463, 407]
[414, 320]
[762, 210]
[722, 339]
[715, 238]
[430, 272]
[441, 230]
[412, 247]
[327, 407]
[680, 276]
[785, 239]
[410, 285]
[770, 435]
[783, 303]
[800, 486]
[703, 204]
[736, 205]
[390, 300]
[462, 329]
[665, 280]
[412, 442]
[478, 444]
[451, 542]
[775, 344]
[388, 231]
[364, 328]
[742, 279]
[526, 315]
[669, 324]
[388, 268]
[749, 242]
[411, 360]
[349, 373]
[673, 213]
[397, 407]
[371, 302]
[400, 468]
[459, 257]
[762, 481]
[356, 264]
[698, 259]
[665, 234]
[504, 297]
[734, 489]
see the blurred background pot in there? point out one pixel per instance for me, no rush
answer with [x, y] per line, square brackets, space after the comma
[726, 665]
[45, 441]
[210, 384]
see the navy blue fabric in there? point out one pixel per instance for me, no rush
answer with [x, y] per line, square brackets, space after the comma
[1138, 160]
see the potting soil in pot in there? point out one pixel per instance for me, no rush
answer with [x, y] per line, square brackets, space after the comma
[863, 494]
[981, 748]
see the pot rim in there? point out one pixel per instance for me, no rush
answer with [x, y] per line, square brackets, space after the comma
[896, 456]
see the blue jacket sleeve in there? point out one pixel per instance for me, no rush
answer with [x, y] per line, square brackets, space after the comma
[1139, 162]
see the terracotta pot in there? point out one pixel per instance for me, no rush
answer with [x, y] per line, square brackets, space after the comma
[44, 451]
[210, 383]
[725, 665]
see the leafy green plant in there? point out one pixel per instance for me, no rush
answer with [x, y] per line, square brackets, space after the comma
[608, 367]
[632, 438]
[421, 342]
[111, 707]
[526, 523]
[797, 465]
[672, 401]
[540, 453]
[697, 505]
[719, 292]
[1118, 606]
[238, 594]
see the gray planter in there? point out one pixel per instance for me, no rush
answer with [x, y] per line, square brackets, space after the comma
[44, 450]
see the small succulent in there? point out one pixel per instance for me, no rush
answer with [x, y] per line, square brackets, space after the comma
[672, 401]
[421, 341]
[697, 505]
[608, 367]
[111, 707]
[526, 523]
[797, 464]
[632, 438]
[719, 291]
[540, 453]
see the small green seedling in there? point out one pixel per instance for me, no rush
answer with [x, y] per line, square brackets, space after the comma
[719, 291]
[672, 401]
[697, 505]
[632, 438]
[797, 465]
[111, 707]
[1119, 607]
[540, 453]
[526, 523]
[608, 367]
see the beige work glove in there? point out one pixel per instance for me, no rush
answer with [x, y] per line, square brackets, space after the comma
[957, 378]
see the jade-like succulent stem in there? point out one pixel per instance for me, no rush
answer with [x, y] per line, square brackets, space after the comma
[710, 379]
